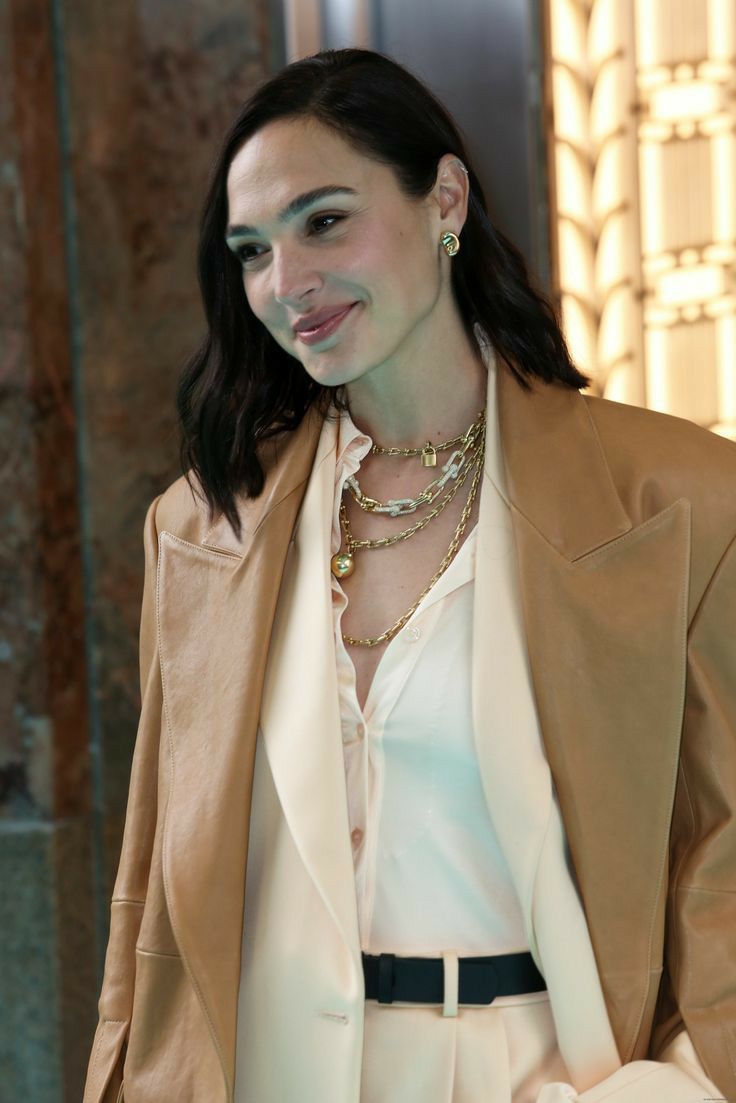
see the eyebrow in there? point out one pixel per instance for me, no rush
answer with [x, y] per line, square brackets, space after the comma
[293, 208]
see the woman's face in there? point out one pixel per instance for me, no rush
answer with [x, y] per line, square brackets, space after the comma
[342, 269]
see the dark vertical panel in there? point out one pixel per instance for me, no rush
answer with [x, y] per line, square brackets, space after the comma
[167, 80]
[47, 972]
[483, 60]
[111, 120]
[39, 490]
[30, 1050]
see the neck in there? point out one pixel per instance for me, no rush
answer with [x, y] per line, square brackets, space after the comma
[430, 392]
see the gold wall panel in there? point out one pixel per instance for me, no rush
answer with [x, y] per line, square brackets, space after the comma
[642, 138]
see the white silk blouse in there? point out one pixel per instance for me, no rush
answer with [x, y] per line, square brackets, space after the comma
[430, 875]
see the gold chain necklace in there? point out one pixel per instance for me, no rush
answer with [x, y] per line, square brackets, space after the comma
[342, 563]
[428, 451]
[396, 507]
[386, 541]
[372, 641]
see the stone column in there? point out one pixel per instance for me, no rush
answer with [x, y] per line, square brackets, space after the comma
[109, 121]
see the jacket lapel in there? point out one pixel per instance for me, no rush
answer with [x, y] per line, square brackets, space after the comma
[605, 615]
[215, 607]
[300, 715]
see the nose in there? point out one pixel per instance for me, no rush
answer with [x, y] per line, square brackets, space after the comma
[293, 275]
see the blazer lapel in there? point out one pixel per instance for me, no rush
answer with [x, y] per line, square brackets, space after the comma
[518, 784]
[300, 715]
[215, 607]
[605, 615]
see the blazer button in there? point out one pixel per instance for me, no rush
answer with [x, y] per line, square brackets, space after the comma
[357, 837]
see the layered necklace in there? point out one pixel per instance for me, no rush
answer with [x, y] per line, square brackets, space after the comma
[464, 463]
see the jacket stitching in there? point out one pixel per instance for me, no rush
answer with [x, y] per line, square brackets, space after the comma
[599, 442]
[688, 849]
[103, 1022]
[731, 546]
[632, 535]
[164, 869]
[211, 549]
[267, 513]
[728, 1042]
[684, 591]
[698, 888]
[677, 886]
[97, 1049]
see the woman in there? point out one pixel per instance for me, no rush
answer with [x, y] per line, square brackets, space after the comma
[436, 647]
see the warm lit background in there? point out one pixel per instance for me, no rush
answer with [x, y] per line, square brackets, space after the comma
[642, 156]
[603, 133]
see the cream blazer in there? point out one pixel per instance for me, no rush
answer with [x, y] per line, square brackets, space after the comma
[616, 692]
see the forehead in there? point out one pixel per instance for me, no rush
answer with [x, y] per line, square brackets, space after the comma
[289, 157]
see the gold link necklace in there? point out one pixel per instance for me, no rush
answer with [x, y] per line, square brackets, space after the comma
[372, 641]
[457, 461]
[428, 451]
[386, 541]
[343, 564]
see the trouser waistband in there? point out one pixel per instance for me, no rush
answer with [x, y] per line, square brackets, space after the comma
[449, 979]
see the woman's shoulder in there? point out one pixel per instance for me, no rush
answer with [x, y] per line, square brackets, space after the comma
[640, 441]
[182, 510]
[656, 458]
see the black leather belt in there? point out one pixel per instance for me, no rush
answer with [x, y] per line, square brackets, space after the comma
[421, 979]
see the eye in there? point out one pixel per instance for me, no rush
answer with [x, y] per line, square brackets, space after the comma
[318, 224]
[247, 253]
[322, 222]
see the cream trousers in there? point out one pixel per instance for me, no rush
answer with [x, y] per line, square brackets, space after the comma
[426, 1053]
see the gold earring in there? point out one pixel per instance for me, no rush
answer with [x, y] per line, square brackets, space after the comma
[450, 243]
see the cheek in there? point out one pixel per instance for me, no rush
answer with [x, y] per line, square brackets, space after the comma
[399, 262]
[256, 299]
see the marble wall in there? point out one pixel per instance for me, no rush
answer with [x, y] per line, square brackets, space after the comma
[110, 116]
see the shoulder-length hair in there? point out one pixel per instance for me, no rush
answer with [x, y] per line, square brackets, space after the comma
[241, 387]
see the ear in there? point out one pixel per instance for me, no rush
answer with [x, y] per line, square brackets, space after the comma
[450, 192]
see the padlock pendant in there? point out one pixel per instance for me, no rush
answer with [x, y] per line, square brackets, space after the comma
[429, 456]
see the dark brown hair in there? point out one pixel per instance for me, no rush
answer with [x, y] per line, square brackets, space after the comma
[241, 387]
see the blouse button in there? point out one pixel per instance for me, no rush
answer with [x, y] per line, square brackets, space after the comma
[357, 836]
[411, 635]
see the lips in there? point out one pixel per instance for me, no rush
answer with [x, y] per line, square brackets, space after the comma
[315, 327]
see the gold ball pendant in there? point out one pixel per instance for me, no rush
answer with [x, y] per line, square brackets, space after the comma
[342, 565]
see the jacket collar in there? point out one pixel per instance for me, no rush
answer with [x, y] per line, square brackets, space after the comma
[556, 471]
[287, 463]
[548, 440]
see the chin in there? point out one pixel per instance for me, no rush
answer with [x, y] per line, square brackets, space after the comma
[332, 371]
[332, 375]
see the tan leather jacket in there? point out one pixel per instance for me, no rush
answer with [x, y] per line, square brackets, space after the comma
[625, 532]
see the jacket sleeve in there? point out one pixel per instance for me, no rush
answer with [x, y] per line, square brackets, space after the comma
[693, 1043]
[699, 986]
[104, 1073]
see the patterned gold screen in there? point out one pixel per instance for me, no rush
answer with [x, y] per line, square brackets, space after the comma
[641, 98]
